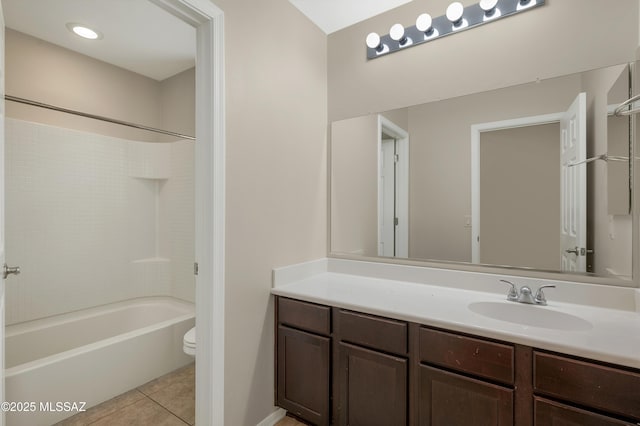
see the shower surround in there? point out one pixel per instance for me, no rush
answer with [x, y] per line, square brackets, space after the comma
[93, 219]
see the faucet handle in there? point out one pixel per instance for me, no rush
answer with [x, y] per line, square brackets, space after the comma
[539, 298]
[513, 293]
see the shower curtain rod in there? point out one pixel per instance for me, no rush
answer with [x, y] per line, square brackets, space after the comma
[95, 117]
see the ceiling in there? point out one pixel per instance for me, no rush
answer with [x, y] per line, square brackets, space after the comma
[334, 15]
[137, 35]
[143, 38]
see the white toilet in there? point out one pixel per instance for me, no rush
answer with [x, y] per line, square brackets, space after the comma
[189, 342]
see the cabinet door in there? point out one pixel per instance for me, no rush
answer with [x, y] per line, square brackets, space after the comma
[372, 388]
[303, 374]
[448, 399]
[553, 413]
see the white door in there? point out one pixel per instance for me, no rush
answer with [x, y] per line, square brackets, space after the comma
[393, 189]
[573, 187]
[387, 200]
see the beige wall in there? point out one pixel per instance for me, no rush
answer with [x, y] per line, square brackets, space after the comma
[47, 73]
[178, 103]
[520, 197]
[354, 177]
[555, 39]
[440, 159]
[276, 131]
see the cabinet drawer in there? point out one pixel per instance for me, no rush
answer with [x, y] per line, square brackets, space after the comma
[551, 413]
[373, 332]
[304, 315]
[605, 388]
[481, 358]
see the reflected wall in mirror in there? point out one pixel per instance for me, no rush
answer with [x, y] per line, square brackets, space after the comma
[618, 151]
[517, 220]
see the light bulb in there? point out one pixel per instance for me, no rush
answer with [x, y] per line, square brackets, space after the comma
[373, 41]
[454, 12]
[488, 5]
[490, 10]
[424, 22]
[397, 33]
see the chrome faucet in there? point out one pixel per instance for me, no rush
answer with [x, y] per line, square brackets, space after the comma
[525, 295]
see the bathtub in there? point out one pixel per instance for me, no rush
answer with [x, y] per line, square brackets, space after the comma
[56, 365]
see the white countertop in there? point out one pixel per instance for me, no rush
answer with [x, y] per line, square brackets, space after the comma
[612, 335]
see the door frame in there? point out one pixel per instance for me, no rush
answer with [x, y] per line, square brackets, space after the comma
[476, 130]
[208, 20]
[402, 185]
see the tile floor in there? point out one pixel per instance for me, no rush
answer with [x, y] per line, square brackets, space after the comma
[288, 421]
[166, 401]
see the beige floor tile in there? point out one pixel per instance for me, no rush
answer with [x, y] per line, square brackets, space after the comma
[142, 413]
[179, 398]
[289, 421]
[102, 410]
[186, 374]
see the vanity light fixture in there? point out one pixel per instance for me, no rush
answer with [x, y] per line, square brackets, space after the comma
[424, 24]
[373, 42]
[490, 9]
[84, 31]
[526, 4]
[456, 18]
[398, 35]
[455, 13]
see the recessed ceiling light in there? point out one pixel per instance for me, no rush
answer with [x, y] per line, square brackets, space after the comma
[83, 31]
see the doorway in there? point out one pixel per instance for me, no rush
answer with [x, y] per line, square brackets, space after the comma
[570, 213]
[393, 189]
[208, 21]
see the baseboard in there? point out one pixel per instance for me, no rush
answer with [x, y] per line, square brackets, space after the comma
[273, 418]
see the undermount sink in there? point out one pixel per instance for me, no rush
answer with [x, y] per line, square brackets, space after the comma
[531, 315]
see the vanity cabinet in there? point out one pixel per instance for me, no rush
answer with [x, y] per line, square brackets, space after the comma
[464, 380]
[590, 393]
[340, 367]
[371, 370]
[303, 359]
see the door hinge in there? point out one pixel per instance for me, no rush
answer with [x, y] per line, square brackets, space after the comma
[395, 221]
[195, 268]
[396, 158]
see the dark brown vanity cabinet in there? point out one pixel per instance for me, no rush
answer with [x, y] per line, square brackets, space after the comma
[585, 393]
[370, 370]
[339, 367]
[464, 380]
[303, 359]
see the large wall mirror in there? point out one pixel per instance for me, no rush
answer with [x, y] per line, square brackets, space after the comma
[534, 176]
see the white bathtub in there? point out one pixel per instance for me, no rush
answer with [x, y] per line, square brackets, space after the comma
[92, 355]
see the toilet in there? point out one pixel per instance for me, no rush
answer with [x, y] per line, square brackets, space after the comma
[189, 342]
